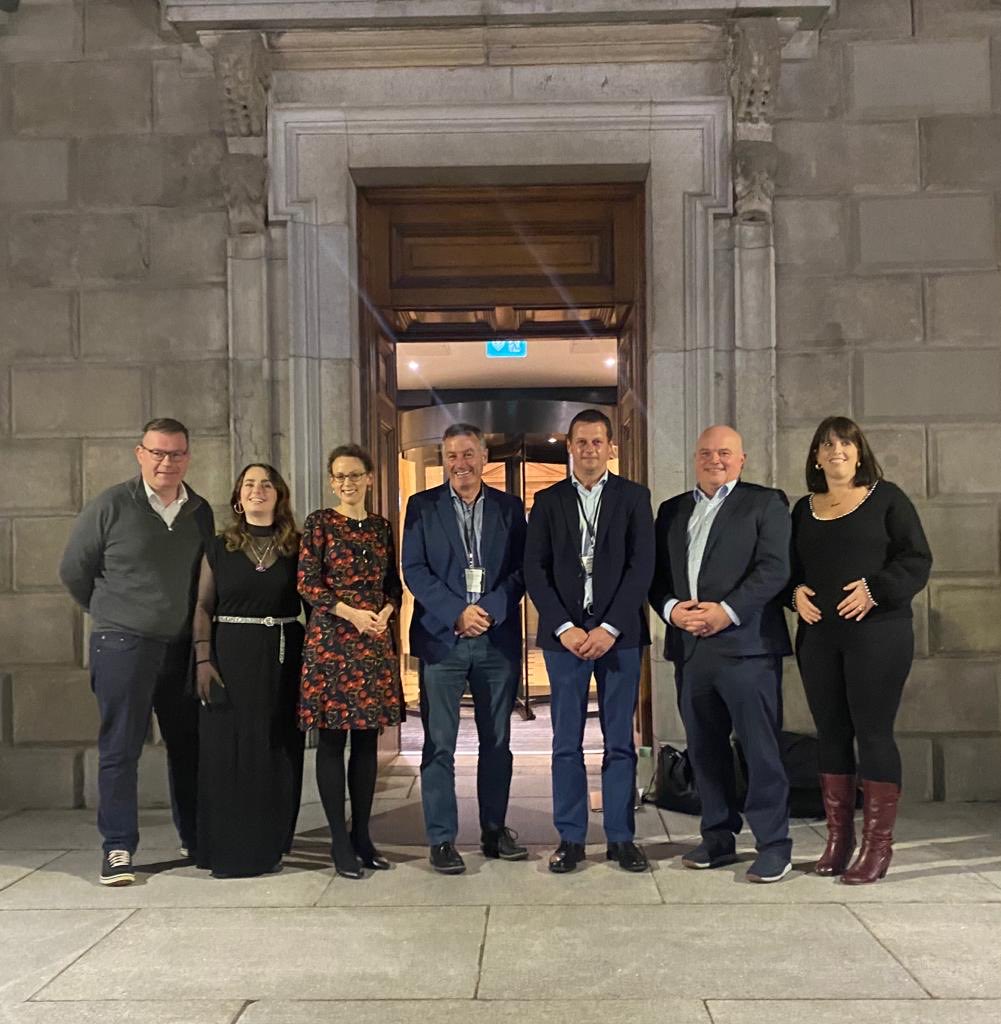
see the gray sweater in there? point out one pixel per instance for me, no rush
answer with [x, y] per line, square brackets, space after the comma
[132, 572]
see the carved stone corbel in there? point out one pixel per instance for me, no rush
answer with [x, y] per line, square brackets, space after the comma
[243, 76]
[754, 63]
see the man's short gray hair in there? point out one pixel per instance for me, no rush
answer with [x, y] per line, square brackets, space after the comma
[464, 430]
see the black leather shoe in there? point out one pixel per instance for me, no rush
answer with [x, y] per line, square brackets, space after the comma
[502, 843]
[629, 856]
[446, 860]
[370, 857]
[566, 857]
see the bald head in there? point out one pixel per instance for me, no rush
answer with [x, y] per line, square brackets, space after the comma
[719, 458]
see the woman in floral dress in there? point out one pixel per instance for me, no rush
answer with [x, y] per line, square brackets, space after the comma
[350, 669]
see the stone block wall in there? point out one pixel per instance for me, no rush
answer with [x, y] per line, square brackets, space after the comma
[889, 310]
[112, 310]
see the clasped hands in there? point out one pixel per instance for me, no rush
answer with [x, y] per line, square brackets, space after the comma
[473, 621]
[370, 623]
[700, 618]
[855, 606]
[588, 645]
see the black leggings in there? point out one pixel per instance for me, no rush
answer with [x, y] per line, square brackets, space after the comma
[363, 764]
[854, 675]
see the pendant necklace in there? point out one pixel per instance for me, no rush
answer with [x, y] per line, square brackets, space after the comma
[260, 567]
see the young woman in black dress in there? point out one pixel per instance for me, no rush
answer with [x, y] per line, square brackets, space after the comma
[350, 672]
[859, 558]
[248, 650]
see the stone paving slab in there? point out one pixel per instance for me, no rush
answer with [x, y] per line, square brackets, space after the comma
[635, 1011]
[726, 952]
[282, 954]
[953, 951]
[164, 880]
[119, 1012]
[17, 864]
[402, 822]
[487, 882]
[883, 1011]
[77, 830]
[924, 874]
[35, 945]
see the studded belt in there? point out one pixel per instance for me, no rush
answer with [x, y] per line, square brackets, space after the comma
[268, 620]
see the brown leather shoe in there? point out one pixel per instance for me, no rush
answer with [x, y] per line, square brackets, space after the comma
[839, 804]
[879, 814]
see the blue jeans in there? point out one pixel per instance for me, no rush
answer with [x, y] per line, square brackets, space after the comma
[618, 676]
[130, 676]
[493, 682]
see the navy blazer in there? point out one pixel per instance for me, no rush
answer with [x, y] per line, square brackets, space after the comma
[434, 565]
[623, 561]
[745, 564]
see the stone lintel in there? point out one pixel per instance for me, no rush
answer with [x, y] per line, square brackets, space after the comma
[191, 16]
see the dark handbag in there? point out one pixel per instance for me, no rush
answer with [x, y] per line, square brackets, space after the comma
[674, 784]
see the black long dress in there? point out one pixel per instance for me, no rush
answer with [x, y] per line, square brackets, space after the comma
[251, 751]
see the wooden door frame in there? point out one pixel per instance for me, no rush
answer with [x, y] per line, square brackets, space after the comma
[632, 405]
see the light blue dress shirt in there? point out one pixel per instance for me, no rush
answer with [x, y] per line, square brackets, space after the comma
[700, 523]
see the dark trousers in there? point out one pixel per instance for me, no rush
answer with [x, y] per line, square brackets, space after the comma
[130, 676]
[617, 674]
[492, 678]
[721, 695]
[854, 674]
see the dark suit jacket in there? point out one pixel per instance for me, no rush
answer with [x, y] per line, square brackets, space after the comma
[623, 556]
[434, 565]
[745, 564]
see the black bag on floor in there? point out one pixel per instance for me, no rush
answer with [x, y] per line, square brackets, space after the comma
[673, 783]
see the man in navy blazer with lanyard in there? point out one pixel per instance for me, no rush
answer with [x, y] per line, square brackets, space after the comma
[588, 565]
[722, 564]
[463, 545]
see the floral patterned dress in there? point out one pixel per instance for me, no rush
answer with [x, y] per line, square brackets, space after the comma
[349, 680]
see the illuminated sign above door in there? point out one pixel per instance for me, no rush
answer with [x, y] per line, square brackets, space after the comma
[507, 349]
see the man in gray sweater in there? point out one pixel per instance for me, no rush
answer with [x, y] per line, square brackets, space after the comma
[132, 562]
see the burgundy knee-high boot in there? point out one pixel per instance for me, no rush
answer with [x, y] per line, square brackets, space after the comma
[879, 815]
[839, 805]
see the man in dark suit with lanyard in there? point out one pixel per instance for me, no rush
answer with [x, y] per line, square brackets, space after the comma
[463, 546]
[588, 564]
[722, 563]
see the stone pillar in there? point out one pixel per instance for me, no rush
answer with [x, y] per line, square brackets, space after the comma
[755, 63]
[243, 77]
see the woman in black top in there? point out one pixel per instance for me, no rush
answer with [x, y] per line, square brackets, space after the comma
[859, 557]
[248, 649]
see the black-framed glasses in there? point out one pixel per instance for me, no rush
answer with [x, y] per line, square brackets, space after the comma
[159, 454]
[339, 478]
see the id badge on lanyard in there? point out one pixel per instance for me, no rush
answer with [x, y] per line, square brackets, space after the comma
[475, 578]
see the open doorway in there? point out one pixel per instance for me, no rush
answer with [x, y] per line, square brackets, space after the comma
[511, 308]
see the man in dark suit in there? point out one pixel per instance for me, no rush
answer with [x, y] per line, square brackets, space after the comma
[463, 546]
[588, 564]
[722, 562]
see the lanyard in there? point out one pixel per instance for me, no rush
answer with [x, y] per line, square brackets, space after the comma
[469, 530]
[590, 527]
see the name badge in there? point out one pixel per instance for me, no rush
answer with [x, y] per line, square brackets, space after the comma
[587, 563]
[474, 580]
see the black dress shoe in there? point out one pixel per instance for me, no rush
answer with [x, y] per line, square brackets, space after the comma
[629, 856]
[502, 843]
[370, 857]
[566, 857]
[446, 860]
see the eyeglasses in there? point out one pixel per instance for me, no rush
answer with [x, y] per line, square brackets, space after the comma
[339, 478]
[159, 454]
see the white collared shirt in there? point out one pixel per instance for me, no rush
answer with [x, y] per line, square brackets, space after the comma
[168, 513]
[700, 523]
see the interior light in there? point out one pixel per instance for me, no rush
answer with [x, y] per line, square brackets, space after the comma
[610, 361]
[414, 365]
[552, 440]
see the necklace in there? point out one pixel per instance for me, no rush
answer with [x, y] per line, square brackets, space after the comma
[260, 567]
